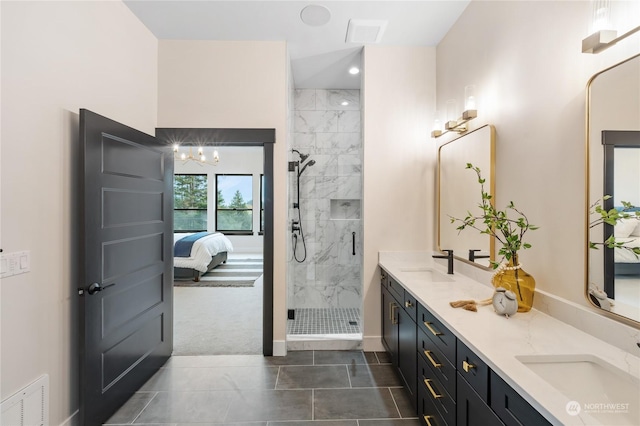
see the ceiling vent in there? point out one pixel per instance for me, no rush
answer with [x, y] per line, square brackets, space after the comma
[365, 31]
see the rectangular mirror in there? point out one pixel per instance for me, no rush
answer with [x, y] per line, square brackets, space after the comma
[459, 192]
[613, 169]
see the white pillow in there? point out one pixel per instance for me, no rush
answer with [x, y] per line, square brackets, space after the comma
[636, 230]
[625, 227]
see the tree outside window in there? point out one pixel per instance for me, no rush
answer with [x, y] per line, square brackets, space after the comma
[234, 205]
[189, 203]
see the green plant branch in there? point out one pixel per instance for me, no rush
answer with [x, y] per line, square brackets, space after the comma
[611, 217]
[508, 231]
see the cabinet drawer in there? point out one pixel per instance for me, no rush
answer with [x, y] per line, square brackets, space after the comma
[433, 390]
[471, 409]
[512, 409]
[438, 333]
[427, 411]
[473, 370]
[432, 358]
[395, 289]
[410, 305]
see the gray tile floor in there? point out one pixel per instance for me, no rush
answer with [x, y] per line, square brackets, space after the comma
[305, 388]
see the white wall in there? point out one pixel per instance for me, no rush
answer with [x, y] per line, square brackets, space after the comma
[525, 59]
[234, 85]
[399, 163]
[233, 160]
[58, 57]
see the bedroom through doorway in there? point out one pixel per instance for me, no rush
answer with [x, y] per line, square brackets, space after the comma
[218, 302]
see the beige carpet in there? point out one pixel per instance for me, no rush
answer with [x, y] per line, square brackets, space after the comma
[217, 320]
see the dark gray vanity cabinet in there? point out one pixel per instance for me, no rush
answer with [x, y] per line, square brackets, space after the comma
[390, 325]
[512, 409]
[473, 410]
[399, 330]
[451, 385]
[407, 361]
[436, 370]
[473, 390]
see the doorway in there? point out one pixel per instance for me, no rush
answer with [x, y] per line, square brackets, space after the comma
[263, 138]
[219, 193]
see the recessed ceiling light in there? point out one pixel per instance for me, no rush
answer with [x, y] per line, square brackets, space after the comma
[315, 15]
[354, 70]
[344, 103]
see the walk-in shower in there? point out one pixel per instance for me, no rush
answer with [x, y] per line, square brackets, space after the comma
[324, 271]
[297, 230]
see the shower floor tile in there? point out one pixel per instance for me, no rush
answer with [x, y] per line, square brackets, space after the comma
[325, 321]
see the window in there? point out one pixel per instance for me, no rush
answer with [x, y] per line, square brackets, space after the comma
[189, 203]
[261, 204]
[234, 204]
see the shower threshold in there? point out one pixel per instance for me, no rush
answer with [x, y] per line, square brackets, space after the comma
[320, 337]
[324, 328]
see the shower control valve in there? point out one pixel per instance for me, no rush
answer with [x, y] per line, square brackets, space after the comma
[294, 226]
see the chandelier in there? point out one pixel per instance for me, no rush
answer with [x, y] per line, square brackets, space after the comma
[199, 158]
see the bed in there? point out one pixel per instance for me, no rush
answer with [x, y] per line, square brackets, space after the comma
[206, 253]
[626, 262]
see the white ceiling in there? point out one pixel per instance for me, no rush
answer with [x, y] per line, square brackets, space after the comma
[320, 57]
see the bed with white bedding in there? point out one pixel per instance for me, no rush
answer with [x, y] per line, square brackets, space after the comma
[627, 231]
[206, 253]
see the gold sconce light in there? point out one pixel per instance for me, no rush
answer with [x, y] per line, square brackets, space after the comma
[454, 123]
[602, 36]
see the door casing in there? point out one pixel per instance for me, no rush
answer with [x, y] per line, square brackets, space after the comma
[264, 138]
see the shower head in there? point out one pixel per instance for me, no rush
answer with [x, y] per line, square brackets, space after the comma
[303, 157]
[310, 163]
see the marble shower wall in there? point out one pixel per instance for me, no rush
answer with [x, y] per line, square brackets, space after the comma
[330, 198]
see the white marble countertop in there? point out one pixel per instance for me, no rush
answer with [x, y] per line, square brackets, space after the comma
[497, 340]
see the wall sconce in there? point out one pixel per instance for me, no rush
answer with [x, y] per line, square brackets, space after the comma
[458, 125]
[603, 37]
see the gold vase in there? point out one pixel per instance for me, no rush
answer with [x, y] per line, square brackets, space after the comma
[517, 280]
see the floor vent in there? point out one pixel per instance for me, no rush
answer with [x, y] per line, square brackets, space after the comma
[29, 406]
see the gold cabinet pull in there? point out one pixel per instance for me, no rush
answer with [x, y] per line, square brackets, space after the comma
[433, 392]
[433, 361]
[466, 366]
[427, 420]
[408, 304]
[394, 320]
[431, 329]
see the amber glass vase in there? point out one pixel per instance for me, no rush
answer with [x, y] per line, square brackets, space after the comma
[518, 281]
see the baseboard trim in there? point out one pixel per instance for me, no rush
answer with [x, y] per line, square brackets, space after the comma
[279, 348]
[372, 344]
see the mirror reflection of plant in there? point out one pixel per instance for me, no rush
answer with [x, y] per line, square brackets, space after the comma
[612, 217]
[497, 223]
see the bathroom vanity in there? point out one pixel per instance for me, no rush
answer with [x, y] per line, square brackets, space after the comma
[479, 368]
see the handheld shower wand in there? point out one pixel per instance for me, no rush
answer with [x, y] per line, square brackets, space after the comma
[310, 163]
[296, 226]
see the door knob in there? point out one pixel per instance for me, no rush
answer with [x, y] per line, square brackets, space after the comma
[95, 287]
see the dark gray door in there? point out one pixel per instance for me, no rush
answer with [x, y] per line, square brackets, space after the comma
[126, 312]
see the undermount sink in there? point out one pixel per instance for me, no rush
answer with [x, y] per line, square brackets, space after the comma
[602, 391]
[427, 274]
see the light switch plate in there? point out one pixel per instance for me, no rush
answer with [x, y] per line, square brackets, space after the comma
[15, 263]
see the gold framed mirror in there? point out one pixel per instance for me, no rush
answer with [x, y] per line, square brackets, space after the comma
[459, 192]
[613, 169]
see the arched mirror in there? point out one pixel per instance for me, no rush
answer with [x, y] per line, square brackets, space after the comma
[613, 182]
[458, 191]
